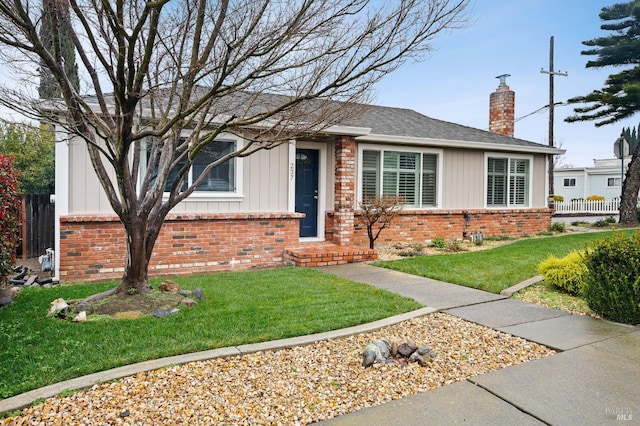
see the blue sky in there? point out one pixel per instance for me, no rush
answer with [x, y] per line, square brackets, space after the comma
[512, 37]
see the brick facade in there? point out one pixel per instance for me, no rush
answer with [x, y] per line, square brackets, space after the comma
[342, 225]
[93, 247]
[413, 226]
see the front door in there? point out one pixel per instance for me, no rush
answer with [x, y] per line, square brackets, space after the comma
[307, 190]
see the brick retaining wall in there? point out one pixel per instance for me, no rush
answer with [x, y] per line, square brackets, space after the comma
[93, 247]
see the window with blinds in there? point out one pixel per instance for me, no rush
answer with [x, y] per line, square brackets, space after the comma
[409, 175]
[507, 182]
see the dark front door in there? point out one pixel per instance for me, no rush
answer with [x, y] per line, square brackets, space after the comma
[307, 190]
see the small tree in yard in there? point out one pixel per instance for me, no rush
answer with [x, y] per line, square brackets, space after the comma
[377, 214]
[9, 203]
[169, 77]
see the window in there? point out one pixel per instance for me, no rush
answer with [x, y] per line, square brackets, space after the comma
[569, 182]
[507, 182]
[410, 175]
[614, 181]
[221, 178]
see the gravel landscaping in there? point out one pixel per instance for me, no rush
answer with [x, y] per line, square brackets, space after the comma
[300, 385]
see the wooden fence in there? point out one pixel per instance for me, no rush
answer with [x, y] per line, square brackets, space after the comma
[37, 219]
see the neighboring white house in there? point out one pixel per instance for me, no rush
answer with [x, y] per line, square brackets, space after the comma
[603, 179]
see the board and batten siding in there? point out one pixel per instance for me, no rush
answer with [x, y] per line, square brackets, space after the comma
[264, 186]
[464, 179]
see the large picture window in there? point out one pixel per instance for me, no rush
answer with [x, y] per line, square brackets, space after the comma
[508, 182]
[409, 175]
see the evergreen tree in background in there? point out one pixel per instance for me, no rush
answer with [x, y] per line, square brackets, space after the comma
[620, 96]
[55, 17]
[33, 150]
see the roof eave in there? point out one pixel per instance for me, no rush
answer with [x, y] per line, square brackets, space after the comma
[447, 143]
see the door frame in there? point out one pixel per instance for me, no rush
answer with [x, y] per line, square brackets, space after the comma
[322, 183]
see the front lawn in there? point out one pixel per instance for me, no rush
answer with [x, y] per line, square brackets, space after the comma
[498, 268]
[239, 308]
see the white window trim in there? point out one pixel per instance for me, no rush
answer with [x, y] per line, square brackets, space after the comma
[382, 148]
[570, 177]
[615, 178]
[488, 155]
[238, 195]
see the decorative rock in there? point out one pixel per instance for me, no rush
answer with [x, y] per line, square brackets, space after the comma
[406, 349]
[161, 313]
[376, 351]
[185, 292]
[7, 295]
[84, 306]
[58, 308]
[81, 317]
[168, 286]
[188, 302]
[198, 294]
[424, 350]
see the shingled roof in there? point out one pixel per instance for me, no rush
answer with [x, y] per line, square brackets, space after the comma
[389, 121]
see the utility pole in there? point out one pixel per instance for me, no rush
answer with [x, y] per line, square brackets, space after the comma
[551, 73]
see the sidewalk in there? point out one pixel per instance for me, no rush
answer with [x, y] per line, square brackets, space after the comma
[594, 380]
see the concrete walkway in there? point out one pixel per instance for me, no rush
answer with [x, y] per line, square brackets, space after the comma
[594, 380]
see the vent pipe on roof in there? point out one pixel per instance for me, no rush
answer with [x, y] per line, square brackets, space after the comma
[502, 108]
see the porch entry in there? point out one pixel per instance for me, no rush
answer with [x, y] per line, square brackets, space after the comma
[307, 170]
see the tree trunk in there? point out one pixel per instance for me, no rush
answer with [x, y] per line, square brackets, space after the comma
[141, 237]
[629, 199]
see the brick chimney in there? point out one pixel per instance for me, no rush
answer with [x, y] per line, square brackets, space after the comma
[501, 108]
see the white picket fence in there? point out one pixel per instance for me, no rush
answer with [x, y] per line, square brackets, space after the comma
[611, 206]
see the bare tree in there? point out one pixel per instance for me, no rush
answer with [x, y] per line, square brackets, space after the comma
[377, 214]
[173, 75]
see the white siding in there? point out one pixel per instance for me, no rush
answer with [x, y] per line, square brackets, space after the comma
[264, 186]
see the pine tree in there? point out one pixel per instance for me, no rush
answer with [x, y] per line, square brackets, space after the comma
[55, 15]
[620, 97]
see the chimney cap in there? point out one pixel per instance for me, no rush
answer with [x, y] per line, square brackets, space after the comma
[503, 79]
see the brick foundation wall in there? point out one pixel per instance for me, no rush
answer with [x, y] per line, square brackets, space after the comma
[413, 226]
[93, 247]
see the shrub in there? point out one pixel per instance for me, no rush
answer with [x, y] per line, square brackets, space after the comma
[567, 273]
[558, 198]
[610, 219]
[557, 226]
[439, 242]
[9, 202]
[612, 285]
[595, 198]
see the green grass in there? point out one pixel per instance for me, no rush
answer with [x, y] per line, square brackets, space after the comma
[495, 269]
[239, 308]
[548, 295]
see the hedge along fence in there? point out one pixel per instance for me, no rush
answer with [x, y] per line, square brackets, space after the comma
[9, 206]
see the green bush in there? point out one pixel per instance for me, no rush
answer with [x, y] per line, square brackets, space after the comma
[439, 242]
[567, 273]
[557, 226]
[612, 285]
